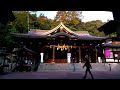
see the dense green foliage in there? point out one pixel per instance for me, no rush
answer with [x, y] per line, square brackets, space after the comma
[25, 21]
[92, 26]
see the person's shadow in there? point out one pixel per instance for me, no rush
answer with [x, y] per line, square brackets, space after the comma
[88, 67]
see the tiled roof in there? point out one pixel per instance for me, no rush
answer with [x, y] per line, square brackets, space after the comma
[38, 30]
[35, 31]
[82, 32]
[82, 35]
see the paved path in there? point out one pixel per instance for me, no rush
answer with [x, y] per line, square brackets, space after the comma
[61, 75]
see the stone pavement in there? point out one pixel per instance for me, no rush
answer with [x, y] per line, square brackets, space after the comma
[61, 75]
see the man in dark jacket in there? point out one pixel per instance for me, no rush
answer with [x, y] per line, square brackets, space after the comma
[88, 67]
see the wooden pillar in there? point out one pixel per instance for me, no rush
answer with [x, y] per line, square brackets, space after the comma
[53, 53]
[42, 49]
[104, 55]
[96, 55]
[79, 54]
[68, 49]
[113, 54]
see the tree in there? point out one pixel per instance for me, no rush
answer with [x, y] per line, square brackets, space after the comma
[61, 16]
[33, 23]
[64, 16]
[21, 21]
[70, 18]
[19, 25]
[113, 34]
[5, 37]
[44, 22]
[92, 26]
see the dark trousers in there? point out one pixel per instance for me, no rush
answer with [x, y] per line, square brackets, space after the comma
[88, 70]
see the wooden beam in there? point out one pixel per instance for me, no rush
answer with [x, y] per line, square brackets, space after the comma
[53, 53]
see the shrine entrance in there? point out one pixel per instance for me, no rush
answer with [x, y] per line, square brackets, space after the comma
[91, 52]
[55, 54]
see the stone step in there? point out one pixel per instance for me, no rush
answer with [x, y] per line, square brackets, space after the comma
[78, 67]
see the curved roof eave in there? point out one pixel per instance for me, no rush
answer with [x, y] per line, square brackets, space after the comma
[89, 37]
[62, 34]
[28, 35]
[61, 24]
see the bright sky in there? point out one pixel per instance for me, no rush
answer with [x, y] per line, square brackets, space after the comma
[87, 15]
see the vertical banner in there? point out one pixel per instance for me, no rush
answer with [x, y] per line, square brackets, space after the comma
[41, 57]
[69, 57]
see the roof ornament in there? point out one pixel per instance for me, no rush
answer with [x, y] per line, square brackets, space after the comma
[61, 22]
[61, 28]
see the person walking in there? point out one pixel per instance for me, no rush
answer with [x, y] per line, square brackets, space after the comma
[88, 67]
